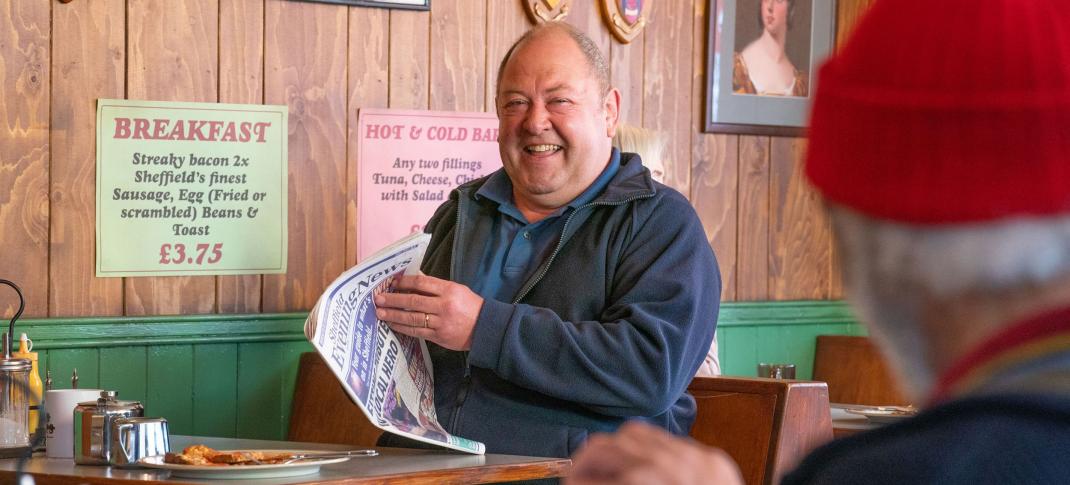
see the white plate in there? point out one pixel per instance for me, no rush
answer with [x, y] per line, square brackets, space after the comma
[885, 414]
[303, 467]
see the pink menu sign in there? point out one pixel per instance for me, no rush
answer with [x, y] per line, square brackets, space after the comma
[409, 160]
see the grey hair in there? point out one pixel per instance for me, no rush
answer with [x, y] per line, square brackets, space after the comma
[892, 269]
[952, 260]
[595, 60]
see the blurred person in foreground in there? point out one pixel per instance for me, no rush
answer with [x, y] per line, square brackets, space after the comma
[946, 167]
[568, 292]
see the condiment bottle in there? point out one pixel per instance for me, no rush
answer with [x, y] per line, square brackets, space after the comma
[36, 386]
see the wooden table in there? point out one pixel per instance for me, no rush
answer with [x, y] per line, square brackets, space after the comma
[393, 465]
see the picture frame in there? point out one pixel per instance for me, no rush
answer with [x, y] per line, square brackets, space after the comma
[751, 92]
[400, 4]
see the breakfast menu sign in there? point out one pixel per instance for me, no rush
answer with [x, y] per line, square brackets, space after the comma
[190, 188]
[409, 161]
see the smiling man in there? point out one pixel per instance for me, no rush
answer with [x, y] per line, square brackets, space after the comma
[567, 292]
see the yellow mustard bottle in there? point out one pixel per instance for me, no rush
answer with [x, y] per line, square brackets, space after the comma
[36, 386]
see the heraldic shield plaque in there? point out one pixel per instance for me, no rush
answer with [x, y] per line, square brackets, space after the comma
[625, 18]
[540, 11]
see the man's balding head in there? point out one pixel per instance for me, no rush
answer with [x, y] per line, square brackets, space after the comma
[596, 62]
[556, 115]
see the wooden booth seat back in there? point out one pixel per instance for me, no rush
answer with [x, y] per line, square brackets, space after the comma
[855, 371]
[766, 425]
[322, 411]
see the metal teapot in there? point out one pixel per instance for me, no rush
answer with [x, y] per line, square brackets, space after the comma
[93, 426]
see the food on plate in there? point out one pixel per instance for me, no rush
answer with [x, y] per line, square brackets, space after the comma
[192, 455]
[201, 455]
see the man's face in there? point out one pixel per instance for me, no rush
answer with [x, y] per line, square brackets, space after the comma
[555, 126]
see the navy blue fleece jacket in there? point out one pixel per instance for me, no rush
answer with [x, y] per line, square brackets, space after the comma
[986, 439]
[612, 326]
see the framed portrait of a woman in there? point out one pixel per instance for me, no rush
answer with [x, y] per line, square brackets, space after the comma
[762, 57]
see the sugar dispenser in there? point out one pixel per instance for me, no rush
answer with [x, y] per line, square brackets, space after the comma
[14, 392]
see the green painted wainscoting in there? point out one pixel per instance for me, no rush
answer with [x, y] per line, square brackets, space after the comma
[778, 332]
[233, 375]
[209, 375]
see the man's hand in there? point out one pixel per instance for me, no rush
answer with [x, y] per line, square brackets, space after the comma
[434, 309]
[642, 454]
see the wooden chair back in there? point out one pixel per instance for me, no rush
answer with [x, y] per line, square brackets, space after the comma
[322, 412]
[855, 371]
[766, 425]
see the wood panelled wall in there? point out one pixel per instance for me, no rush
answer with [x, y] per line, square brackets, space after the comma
[325, 62]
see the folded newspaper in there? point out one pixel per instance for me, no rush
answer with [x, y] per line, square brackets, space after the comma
[388, 375]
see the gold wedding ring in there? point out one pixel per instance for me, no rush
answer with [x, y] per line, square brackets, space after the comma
[427, 319]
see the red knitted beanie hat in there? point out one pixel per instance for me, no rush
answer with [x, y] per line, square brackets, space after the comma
[947, 111]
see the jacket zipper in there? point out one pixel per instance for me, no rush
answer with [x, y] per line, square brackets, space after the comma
[466, 381]
[546, 268]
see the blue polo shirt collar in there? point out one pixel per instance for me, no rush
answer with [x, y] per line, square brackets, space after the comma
[499, 189]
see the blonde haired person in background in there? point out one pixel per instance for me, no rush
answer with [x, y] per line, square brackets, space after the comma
[648, 144]
[653, 150]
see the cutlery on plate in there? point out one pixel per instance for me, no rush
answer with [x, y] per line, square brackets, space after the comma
[318, 456]
[330, 454]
